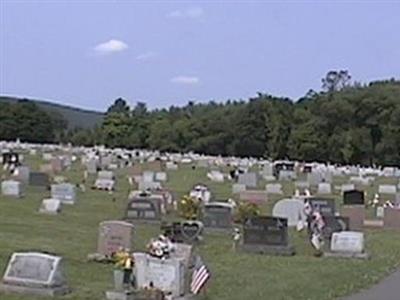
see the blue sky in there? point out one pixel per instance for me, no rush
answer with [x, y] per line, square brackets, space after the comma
[88, 53]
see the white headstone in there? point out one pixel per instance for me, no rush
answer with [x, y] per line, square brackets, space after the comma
[248, 179]
[324, 188]
[237, 188]
[215, 176]
[347, 242]
[274, 188]
[347, 187]
[65, 192]
[291, 209]
[387, 189]
[161, 176]
[50, 206]
[167, 275]
[11, 188]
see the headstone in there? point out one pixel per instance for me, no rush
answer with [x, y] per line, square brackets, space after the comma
[91, 166]
[39, 179]
[387, 189]
[314, 178]
[324, 205]
[167, 275]
[65, 192]
[267, 235]
[50, 206]
[155, 166]
[356, 215]
[353, 197]
[218, 215]
[215, 176]
[144, 207]
[184, 252]
[148, 176]
[287, 175]
[109, 175]
[171, 166]
[268, 170]
[114, 235]
[347, 187]
[149, 185]
[22, 174]
[34, 274]
[248, 179]
[11, 188]
[254, 196]
[302, 185]
[391, 218]
[334, 224]
[238, 188]
[348, 244]
[324, 188]
[291, 209]
[184, 232]
[274, 188]
[380, 212]
[161, 176]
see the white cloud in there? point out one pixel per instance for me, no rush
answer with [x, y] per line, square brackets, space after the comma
[111, 46]
[146, 55]
[188, 80]
[192, 13]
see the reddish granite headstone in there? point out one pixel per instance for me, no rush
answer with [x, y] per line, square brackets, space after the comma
[113, 235]
[356, 215]
[391, 219]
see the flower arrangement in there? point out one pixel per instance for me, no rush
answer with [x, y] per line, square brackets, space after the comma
[245, 211]
[189, 207]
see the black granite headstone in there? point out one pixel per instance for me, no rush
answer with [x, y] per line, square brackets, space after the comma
[353, 197]
[39, 179]
[266, 231]
[334, 224]
[325, 206]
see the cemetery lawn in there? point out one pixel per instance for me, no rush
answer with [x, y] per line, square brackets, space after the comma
[73, 235]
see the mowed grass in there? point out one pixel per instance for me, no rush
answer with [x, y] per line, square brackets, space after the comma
[73, 234]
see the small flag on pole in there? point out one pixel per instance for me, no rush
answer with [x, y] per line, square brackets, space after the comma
[200, 276]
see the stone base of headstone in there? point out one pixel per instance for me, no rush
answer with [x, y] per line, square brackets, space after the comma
[268, 250]
[119, 295]
[97, 257]
[141, 295]
[373, 223]
[347, 255]
[18, 289]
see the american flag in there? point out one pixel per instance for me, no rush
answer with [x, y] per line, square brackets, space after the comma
[200, 276]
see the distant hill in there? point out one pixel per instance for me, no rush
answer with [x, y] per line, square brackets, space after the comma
[75, 117]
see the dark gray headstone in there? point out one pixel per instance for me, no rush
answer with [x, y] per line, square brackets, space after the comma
[218, 215]
[324, 205]
[144, 208]
[353, 197]
[266, 235]
[39, 179]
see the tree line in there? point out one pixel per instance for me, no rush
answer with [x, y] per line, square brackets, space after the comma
[344, 123]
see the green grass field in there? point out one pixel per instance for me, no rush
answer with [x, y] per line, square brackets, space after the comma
[73, 235]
